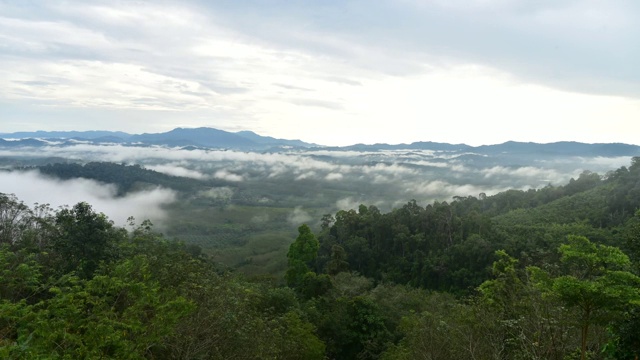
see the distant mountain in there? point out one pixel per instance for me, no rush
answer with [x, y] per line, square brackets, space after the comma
[205, 137]
[180, 137]
[564, 148]
[88, 135]
[422, 145]
[108, 139]
[21, 143]
[268, 140]
[214, 138]
[201, 137]
[512, 148]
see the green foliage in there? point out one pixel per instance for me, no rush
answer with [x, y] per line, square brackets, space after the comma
[338, 262]
[20, 274]
[301, 253]
[506, 283]
[442, 246]
[14, 218]
[85, 239]
[632, 240]
[595, 280]
[142, 296]
[416, 282]
[352, 327]
[527, 324]
[120, 315]
[126, 177]
[450, 329]
[625, 340]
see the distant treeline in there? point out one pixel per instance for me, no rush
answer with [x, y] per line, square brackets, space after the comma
[449, 246]
[126, 177]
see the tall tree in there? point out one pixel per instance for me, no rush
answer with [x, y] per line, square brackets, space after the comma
[85, 239]
[596, 281]
[301, 253]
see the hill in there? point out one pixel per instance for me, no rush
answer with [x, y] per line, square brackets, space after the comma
[203, 137]
[206, 137]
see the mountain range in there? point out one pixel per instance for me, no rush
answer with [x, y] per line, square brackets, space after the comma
[180, 137]
[250, 141]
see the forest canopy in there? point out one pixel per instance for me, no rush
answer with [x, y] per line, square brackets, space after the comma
[549, 273]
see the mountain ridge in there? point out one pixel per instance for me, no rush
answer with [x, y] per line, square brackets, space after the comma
[207, 137]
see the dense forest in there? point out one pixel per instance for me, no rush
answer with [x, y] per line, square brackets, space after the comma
[549, 273]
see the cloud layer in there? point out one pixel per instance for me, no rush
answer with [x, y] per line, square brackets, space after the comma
[301, 179]
[31, 187]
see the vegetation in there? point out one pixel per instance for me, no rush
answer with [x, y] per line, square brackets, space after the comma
[550, 273]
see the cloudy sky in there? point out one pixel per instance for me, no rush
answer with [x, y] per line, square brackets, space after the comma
[330, 72]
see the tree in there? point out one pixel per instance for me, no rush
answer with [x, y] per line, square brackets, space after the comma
[528, 325]
[123, 315]
[338, 262]
[596, 281]
[14, 217]
[301, 253]
[85, 239]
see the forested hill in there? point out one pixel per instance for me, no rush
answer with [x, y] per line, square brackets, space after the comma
[548, 273]
[449, 246]
[126, 177]
[211, 138]
[528, 149]
[203, 137]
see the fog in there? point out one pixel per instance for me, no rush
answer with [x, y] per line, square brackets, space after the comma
[298, 216]
[324, 178]
[228, 201]
[31, 187]
[175, 169]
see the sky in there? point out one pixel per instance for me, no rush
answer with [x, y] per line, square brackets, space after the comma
[327, 72]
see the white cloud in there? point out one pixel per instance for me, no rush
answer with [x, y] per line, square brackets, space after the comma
[348, 203]
[443, 191]
[228, 176]
[306, 175]
[523, 172]
[333, 176]
[298, 216]
[302, 75]
[31, 187]
[176, 170]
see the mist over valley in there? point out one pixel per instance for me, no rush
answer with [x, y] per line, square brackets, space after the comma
[320, 180]
[244, 205]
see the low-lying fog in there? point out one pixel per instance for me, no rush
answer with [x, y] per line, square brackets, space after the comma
[340, 179]
[31, 187]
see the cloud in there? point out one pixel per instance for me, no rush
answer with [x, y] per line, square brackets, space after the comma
[523, 172]
[334, 176]
[218, 193]
[333, 105]
[228, 176]
[386, 168]
[74, 64]
[298, 216]
[348, 203]
[306, 175]
[175, 170]
[438, 190]
[385, 178]
[31, 187]
[597, 164]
